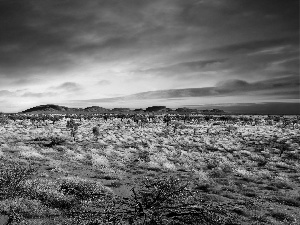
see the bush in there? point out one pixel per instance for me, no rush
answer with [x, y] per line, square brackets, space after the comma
[212, 163]
[3, 120]
[56, 140]
[157, 201]
[169, 200]
[96, 132]
[166, 200]
[73, 126]
[144, 155]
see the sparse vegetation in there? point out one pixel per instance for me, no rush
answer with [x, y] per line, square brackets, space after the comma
[96, 132]
[181, 170]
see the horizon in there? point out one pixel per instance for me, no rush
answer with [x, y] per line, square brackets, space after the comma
[239, 55]
[240, 109]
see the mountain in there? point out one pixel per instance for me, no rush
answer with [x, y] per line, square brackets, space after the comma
[46, 108]
[51, 108]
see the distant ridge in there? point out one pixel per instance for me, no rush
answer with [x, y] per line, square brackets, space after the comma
[51, 108]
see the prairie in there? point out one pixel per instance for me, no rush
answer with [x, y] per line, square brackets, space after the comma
[205, 171]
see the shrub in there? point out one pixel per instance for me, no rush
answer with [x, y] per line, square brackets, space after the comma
[262, 163]
[3, 120]
[212, 163]
[283, 147]
[96, 132]
[55, 140]
[166, 200]
[144, 155]
[73, 127]
[169, 200]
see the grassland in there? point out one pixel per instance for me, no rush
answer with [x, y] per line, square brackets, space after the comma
[204, 172]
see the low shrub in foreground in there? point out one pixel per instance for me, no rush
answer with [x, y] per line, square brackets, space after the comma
[166, 200]
[159, 201]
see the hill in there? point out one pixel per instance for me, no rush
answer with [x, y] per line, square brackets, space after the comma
[51, 108]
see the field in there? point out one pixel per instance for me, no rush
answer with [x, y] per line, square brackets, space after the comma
[204, 170]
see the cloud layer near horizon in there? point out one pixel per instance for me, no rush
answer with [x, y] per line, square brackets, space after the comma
[66, 51]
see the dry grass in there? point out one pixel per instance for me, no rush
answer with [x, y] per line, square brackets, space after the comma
[239, 169]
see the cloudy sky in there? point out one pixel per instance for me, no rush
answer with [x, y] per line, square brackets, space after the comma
[138, 53]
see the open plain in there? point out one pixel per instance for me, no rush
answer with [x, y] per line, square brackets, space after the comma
[203, 170]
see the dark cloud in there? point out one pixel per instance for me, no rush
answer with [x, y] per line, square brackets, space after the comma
[38, 35]
[259, 45]
[272, 85]
[68, 87]
[253, 58]
[263, 108]
[242, 15]
[183, 68]
[260, 58]
[284, 87]
[25, 45]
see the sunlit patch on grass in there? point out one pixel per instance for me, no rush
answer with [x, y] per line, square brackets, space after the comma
[202, 176]
[31, 208]
[264, 174]
[77, 156]
[99, 161]
[169, 166]
[30, 153]
[244, 173]
[82, 188]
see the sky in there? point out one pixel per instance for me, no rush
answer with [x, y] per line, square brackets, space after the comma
[138, 53]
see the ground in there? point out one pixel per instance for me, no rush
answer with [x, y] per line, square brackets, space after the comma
[250, 171]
